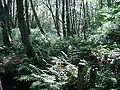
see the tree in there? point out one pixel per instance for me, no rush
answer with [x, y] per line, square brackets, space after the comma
[36, 17]
[73, 18]
[101, 3]
[57, 19]
[24, 30]
[27, 15]
[79, 21]
[4, 18]
[68, 19]
[85, 21]
[63, 18]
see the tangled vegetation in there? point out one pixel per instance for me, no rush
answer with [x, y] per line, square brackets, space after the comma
[80, 51]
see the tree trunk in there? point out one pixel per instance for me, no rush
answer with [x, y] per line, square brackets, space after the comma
[4, 24]
[101, 3]
[6, 37]
[68, 18]
[36, 17]
[73, 17]
[27, 15]
[85, 22]
[57, 19]
[63, 18]
[8, 16]
[24, 30]
[79, 22]
[87, 15]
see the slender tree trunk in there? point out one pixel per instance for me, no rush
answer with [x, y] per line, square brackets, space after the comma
[63, 18]
[50, 8]
[13, 13]
[87, 15]
[16, 20]
[79, 22]
[27, 15]
[8, 16]
[101, 3]
[6, 37]
[36, 17]
[57, 19]
[32, 18]
[3, 19]
[68, 18]
[10, 11]
[74, 22]
[24, 30]
[85, 22]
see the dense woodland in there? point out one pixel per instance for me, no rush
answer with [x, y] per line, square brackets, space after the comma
[59, 44]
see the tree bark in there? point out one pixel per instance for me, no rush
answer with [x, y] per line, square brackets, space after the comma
[73, 17]
[85, 22]
[8, 16]
[57, 19]
[79, 22]
[36, 17]
[4, 23]
[27, 15]
[24, 30]
[87, 15]
[5, 35]
[68, 18]
[101, 3]
[63, 18]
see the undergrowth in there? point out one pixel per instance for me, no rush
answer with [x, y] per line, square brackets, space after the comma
[57, 63]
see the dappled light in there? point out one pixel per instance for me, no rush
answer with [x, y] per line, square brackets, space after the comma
[59, 44]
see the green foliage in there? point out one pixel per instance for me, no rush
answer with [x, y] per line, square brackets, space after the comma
[105, 80]
[52, 79]
[56, 65]
[113, 36]
[54, 71]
